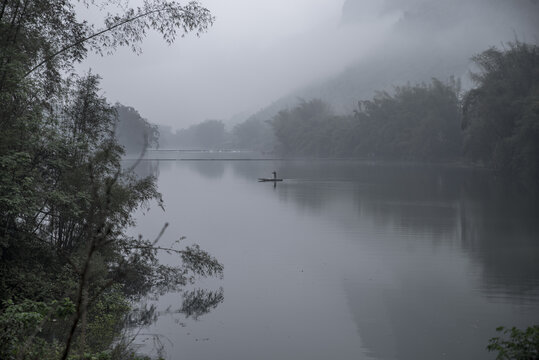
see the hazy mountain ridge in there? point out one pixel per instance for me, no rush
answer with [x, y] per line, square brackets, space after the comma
[425, 40]
[421, 46]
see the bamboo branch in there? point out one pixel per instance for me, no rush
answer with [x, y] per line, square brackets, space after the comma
[81, 41]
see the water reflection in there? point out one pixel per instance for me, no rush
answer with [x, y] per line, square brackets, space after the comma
[467, 208]
[199, 302]
[143, 168]
[208, 168]
[421, 307]
[194, 304]
[430, 259]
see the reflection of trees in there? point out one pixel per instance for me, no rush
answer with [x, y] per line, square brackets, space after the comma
[494, 224]
[252, 170]
[144, 168]
[208, 168]
[397, 323]
[416, 199]
[145, 315]
[199, 302]
[499, 227]
[195, 303]
[471, 209]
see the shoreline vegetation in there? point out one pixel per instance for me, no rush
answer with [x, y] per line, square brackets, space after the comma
[450, 163]
[493, 126]
[70, 273]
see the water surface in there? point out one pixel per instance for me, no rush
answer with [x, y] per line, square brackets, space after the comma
[347, 260]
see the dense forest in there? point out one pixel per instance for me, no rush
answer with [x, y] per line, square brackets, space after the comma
[250, 134]
[495, 124]
[209, 134]
[501, 115]
[69, 273]
[416, 123]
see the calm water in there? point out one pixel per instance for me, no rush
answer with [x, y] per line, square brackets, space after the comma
[347, 260]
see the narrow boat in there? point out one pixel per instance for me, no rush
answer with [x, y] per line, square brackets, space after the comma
[270, 179]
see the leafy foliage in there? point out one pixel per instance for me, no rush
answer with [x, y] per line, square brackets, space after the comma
[516, 344]
[301, 130]
[209, 134]
[253, 134]
[65, 200]
[199, 302]
[418, 122]
[28, 319]
[82, 202]
[501, 115]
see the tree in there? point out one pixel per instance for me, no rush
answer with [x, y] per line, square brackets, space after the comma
[65, 200]
[516, 344]
[253, 134]
[501, 115]
[419, 122]
[42, 39]
[76, 224]
[210, 133]
[133, 131]
[297, 130]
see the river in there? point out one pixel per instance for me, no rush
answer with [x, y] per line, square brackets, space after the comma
[345, 259]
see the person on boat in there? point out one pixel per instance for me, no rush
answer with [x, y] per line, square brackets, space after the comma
[274, 179]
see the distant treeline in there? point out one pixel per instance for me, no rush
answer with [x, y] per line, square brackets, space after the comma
[495, 124]
[419, 122]
[135, 133]
[212, 134]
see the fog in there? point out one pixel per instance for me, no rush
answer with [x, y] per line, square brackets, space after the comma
[307, 179]
[260, 51]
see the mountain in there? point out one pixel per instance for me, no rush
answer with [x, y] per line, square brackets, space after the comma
[427, 39]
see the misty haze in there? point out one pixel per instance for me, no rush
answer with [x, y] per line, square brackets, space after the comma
[306, 179]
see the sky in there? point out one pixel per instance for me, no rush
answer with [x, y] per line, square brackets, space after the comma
[255, 52]
[258, 51]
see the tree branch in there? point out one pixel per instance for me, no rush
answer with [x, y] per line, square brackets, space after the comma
[94, 35]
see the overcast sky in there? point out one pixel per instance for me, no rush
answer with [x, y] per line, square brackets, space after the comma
[260, 50]
[256, 52]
